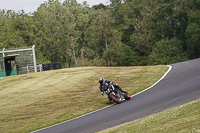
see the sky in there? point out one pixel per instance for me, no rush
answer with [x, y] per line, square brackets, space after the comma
[32, 5]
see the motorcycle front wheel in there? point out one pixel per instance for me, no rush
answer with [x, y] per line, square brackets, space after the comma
[115, 99]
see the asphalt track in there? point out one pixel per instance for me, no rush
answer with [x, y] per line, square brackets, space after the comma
[181, 85]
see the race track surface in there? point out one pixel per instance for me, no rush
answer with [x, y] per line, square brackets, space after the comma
[181, 85]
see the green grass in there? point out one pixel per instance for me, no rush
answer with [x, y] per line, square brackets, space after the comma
[33, 101]
[181, 119]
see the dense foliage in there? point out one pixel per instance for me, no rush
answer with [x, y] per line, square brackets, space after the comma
[127, 32]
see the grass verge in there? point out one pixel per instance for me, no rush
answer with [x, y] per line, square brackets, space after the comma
[181, 119]
[37, 100]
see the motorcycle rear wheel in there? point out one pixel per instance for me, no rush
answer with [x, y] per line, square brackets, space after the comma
[127, 96]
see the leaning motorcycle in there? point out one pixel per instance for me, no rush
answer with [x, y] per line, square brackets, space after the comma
[117, 95]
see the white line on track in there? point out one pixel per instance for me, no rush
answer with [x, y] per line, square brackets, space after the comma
[170, 67]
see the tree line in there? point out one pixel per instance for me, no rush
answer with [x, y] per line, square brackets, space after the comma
[124, 33]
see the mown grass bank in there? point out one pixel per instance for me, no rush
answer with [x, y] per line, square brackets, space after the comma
[37, 100]
[181, 119]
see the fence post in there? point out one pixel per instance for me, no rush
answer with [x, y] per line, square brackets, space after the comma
[40, 65]
[3, 52]
[34, 59]
[27, 69]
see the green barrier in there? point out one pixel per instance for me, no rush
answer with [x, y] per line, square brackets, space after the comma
[11, 72]
[2, 74]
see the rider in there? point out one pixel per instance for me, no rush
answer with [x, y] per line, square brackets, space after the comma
[104, 84]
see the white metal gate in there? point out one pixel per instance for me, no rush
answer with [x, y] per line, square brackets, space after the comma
[5, 53]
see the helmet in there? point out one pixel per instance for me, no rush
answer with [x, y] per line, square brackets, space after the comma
[101, 80]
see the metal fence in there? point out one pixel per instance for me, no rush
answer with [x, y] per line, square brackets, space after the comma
[20, 58]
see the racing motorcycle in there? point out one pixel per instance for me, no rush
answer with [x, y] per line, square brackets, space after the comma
[116, 94]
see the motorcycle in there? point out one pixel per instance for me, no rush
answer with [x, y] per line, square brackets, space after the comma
[117, 95]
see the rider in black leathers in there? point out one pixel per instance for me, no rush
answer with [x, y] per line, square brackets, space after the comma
[104, 84]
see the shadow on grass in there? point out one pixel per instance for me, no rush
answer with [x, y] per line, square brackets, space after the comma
[109, 102]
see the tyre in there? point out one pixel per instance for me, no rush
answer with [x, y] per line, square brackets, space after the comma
[115, 99]
[127, 96]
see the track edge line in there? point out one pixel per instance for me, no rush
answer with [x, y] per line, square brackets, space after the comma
[170, 68]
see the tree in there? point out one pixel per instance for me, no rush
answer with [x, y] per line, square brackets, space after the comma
[127, 32]
[100, 6]
[167, 51]
[77, 26]
[49, 32]
[100, 31]
[193, 30]
[13, 30]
